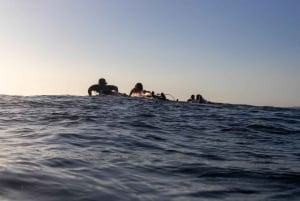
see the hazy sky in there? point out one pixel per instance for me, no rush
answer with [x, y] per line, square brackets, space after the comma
[236, 51]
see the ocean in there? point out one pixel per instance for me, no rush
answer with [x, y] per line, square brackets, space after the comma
[76, 148]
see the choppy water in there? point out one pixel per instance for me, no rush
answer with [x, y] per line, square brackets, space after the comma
[114, 148]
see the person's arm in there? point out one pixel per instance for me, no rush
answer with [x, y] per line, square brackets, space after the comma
[90, 91]
[92, 88]
[131, 92]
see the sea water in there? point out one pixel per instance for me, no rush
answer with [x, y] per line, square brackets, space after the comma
[72, 148]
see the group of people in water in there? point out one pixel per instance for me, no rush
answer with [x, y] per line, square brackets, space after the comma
[102, 88]
[199, 99]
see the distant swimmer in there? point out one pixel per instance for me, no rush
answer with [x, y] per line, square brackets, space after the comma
[191, 99]
[103, 88]
[138, 91]
[200, 99]
[160, 96]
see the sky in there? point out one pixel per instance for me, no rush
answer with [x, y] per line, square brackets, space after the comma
[230, 51]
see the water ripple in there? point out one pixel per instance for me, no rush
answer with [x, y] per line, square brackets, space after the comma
[117, 148]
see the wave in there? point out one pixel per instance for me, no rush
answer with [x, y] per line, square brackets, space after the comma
[119, 148]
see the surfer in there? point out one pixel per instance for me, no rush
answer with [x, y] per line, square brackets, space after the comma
[160, 96]
[200, 99]
[191, 99]
[138, 91]
[103, 88]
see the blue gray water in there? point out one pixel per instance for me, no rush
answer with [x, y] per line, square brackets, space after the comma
[69, 148]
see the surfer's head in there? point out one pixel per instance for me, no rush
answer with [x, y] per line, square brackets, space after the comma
[102, 81]
[199, 97]
[139, 86]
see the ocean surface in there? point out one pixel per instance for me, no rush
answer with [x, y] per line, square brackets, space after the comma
[72, 148]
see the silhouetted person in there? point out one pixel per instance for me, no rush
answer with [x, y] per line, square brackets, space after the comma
[137, 90]
[200, 99]
[160, 96]
[191, 99]
[103, 88]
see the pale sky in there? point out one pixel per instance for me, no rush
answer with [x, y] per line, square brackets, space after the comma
[232, 51]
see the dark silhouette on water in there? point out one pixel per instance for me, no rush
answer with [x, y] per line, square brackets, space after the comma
[103, 88]
[191, 99]
[138, 91]
[160, 96]
[200, 99]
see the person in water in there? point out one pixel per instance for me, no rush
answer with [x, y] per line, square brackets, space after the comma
[103, 88]
[191, 99]
[200, 99]
[160, 96]
[138, 91]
